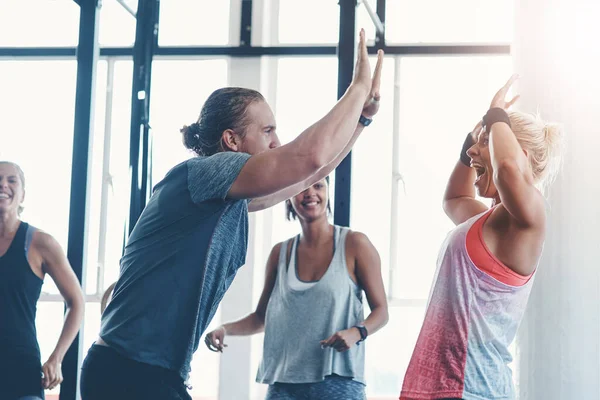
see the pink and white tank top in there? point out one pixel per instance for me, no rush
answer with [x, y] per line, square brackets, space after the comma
[471, 320]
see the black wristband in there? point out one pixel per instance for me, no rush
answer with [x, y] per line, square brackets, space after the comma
[495, 115]
[468, 143]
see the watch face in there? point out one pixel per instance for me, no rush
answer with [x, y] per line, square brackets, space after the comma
[365, 121]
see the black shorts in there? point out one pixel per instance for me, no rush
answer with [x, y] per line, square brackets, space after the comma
[106, 374]
[21, 377]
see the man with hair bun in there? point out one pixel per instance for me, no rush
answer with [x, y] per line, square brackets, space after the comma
[191, 238]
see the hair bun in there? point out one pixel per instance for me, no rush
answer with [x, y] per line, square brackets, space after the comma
[191, 135]
[553, 132]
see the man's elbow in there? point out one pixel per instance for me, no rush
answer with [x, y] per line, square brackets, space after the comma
[317, 160]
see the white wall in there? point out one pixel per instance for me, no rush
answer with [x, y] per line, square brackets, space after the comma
[558, 58]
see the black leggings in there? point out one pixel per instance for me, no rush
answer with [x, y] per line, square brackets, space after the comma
[106, 374]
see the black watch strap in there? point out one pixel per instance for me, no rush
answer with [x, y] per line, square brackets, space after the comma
[364, 120]
[363, 333]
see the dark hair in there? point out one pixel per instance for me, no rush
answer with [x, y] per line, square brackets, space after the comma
[21, 177]
[224, 109]
[290, 213]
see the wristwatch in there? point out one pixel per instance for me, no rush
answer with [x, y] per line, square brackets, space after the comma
[364, 120]
[363, 333]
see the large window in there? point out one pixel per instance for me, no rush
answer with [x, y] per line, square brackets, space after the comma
[109, 200]
[116, 179]
[194, 23]
[440, 21]
[117, 24]
[38, 23]
[95, 205]
[323, 18]
[309, 22]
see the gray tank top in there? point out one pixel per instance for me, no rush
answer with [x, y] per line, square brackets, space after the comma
[297, 320]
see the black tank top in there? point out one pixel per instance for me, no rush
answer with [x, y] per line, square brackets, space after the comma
[19, 292]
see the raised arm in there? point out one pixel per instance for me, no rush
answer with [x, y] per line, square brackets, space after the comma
[370, 108]
[254, 322]
[459, 198]
[55, 263]
[315, 148]
[513, 176]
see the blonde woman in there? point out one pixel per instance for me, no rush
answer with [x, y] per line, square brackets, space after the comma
[487, 263]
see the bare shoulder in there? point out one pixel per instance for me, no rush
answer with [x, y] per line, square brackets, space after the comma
[44, 242]
[277, 248]
[46, 252]
[274, 257]
[359, 246]
[358, 240]
[361, 255]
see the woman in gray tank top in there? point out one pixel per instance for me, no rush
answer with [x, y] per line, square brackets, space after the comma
[311, 307]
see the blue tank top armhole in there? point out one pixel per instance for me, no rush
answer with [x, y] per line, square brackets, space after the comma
[29, 238]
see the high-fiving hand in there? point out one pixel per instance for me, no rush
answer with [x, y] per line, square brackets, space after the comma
[371, 106]
[499, 100]
[362, 70]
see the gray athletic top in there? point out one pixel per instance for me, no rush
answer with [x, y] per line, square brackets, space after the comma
[179, 261]
[297, 320]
